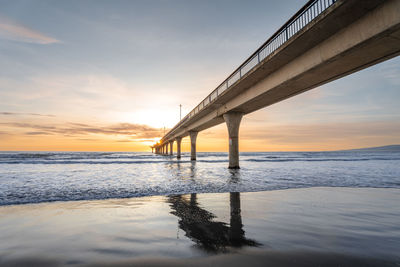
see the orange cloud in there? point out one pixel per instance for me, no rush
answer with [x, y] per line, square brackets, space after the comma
[135, 131]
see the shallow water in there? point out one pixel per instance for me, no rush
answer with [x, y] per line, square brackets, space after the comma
[31, 177]
[296, 227]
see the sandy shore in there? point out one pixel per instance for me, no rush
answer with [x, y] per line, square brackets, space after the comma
[296, 227]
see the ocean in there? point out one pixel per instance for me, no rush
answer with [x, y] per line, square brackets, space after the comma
[34, 177]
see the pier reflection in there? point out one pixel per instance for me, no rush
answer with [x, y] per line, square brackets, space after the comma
[199, 225]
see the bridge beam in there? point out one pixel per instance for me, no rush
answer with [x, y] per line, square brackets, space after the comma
[171, 146]
[232, 120]
[178, 147]
[193, 137]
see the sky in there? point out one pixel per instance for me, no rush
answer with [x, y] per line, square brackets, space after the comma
[110, 75]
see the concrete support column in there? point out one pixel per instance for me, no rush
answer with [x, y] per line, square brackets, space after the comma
[232, 120]
[171, 146]
[163, 150]
[178, 147]
[193, 137]
[166, 149]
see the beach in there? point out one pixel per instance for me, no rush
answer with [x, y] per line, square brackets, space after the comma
[328, 226]
[171, 133]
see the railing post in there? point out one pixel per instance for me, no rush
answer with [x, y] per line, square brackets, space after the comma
[287, 34]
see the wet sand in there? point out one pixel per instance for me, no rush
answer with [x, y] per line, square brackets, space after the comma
[295, 227]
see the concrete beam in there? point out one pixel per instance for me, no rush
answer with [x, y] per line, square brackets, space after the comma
[232, 120]
[193, 137]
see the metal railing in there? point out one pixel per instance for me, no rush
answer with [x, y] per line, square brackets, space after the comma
[304, 16]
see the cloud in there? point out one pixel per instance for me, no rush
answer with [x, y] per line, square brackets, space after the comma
[137, 132]
[37, 133]
[11, 30]
[4, 113]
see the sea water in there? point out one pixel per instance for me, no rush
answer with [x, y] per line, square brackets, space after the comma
[33, 177]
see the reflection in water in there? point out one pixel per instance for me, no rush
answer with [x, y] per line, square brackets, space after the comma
[193, 169]
[198, 224]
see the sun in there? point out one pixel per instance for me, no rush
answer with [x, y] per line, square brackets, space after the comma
[156, 118]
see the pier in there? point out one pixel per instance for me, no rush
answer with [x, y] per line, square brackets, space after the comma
[324, 41]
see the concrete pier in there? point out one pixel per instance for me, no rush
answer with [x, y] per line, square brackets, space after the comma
[178, 147]
[193, 137]
[232, 120]
[171, 146]
[311, 49]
